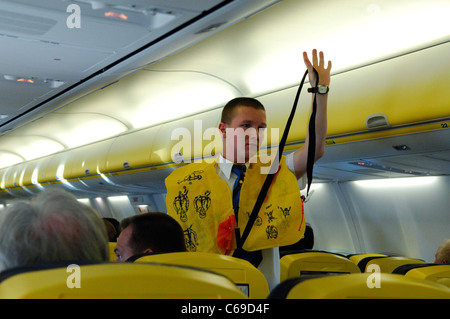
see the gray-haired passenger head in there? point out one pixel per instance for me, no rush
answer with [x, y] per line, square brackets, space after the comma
[53, 226]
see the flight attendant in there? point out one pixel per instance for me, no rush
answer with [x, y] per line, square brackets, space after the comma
[213, 200]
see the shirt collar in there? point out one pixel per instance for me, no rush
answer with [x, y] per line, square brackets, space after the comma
[226, 166]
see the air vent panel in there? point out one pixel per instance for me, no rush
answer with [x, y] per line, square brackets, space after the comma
[12, 22]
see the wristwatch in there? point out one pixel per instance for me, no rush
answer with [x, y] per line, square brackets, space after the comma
[321, 89]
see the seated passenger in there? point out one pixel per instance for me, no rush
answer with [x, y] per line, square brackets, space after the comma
[443, 253]
[148, 233]
[53, 226]
[307, 242]
[110, 230]
[116, 225]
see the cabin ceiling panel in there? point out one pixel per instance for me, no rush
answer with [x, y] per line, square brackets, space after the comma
[147, 97]
[30, 147]
[258, 55]
[72, 130]
[426, 163]
[428, 153]
[69, 55]
[264, 53]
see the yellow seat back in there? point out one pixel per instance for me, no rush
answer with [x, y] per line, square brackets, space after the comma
[119, 280]
[358, 259]
[112, 254]
[436, 273]
[363, 286]
[389, 264]
[247, 277]
[315, 263]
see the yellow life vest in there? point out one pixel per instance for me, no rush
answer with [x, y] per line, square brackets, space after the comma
[202, 203]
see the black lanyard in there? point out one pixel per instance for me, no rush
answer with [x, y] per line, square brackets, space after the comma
[309, 164]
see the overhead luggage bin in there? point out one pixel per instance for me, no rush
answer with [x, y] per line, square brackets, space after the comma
[404, 91]
[193, 136]
[23, 180]
[248, 278]
[27, 173]
[116, 281]
[10, 176]
[15, 183]
[2, 180]
[315, 263]
[55, 168]
[131, 150]
[361, 286]
[88, 160]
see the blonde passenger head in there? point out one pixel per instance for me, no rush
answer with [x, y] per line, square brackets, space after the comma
[443, 253]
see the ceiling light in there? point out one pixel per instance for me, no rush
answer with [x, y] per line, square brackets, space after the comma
[50, 83]
[371, 165]
[25, 80]
[144, 15]
[397, 182]
[112, 14]
[85, 201]
[118, 198]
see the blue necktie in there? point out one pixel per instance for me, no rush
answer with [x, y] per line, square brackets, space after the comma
[239, 170]
[253, 257]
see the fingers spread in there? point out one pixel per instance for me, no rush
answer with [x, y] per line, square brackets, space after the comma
[314, 56]
[306, 59]
[321, 59]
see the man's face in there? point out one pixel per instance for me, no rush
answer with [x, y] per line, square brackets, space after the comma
[242, 137]
[123, 250]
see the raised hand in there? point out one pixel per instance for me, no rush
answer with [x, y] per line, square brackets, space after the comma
[318, 63]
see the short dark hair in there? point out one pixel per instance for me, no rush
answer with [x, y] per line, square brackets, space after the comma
[155, 230]
[229, 108]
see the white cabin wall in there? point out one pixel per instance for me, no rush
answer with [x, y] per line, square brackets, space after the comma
[118, 207]
[160, 202]
[148, 203]
[328, 216]
[409, 220]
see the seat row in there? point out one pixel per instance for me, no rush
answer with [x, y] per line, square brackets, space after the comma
[309, 274]
[312, 274]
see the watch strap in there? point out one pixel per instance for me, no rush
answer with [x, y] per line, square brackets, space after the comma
[316, 89]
